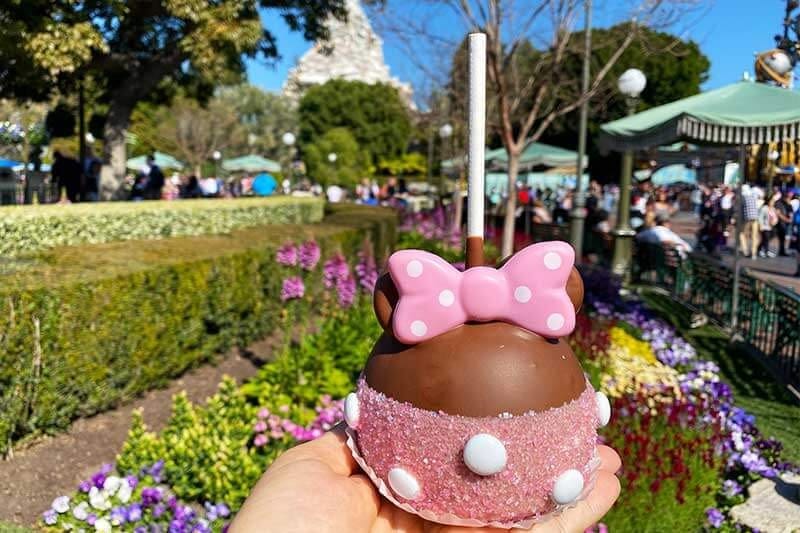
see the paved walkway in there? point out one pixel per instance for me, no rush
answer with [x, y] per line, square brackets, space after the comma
[779, 270]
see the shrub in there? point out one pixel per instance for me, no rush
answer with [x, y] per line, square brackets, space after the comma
[27, 229]
[127, 317]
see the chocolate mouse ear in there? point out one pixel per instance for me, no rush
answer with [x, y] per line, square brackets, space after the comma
[385, 297]
[575, 289]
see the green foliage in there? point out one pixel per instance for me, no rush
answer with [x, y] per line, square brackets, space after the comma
[127, 317]
[451, 254]
[374, 114]
[409, 164]
[671, 471]
[351, 164]
[34, 228]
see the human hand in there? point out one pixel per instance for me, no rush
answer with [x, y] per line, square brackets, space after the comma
[317, 487]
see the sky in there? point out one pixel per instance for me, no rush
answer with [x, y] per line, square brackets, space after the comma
[729, 32]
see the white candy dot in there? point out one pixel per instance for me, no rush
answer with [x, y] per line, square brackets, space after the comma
[568, 487]
[485, 455]
[555, 321]
[522, 294]
[414, 268]
[403, 484]
[351, 410]
[446, 298]
[603, 408]
[419, 328]
[552, 260]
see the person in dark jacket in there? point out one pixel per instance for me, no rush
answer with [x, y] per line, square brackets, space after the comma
[155, 180]
[66, 173]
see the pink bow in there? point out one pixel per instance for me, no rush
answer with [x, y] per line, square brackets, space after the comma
[528, 291]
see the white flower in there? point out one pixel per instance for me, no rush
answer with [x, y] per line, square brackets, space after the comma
[99, 499]
[81, 511]
[111, 484]
[61, 504]
[124, 492]
[68, 526]
[102, 526]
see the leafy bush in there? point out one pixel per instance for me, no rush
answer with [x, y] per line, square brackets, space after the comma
[27, 229]
[127, 317]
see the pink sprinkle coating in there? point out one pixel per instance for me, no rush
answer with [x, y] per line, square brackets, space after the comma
[429, 446]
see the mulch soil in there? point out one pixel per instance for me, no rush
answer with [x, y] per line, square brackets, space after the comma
[54, 466]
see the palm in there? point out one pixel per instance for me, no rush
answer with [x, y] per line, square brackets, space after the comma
[317, 487]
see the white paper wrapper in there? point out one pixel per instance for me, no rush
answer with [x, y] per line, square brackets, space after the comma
[453, 520]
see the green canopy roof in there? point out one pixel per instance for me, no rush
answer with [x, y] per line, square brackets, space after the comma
[162, 160]
[742, 113]
[251, 163]
[534, 155]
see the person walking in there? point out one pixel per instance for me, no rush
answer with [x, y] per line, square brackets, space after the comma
[784, 211]
[767, 219]
[749, 237]
[155, 180]
[66, 172]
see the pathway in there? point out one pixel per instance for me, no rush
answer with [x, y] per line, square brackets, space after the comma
[55, 465]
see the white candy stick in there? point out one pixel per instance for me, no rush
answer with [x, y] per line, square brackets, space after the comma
[477, 133]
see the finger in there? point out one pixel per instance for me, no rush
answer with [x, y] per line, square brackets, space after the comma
[587, 512]
[330, 449]
[609, 459]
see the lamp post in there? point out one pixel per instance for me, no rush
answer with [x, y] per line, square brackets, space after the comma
[445, 132]
[578, 214]
[288, 140]
[216, 156]
[631, 84]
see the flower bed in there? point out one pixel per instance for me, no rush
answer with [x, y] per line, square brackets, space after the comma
[27, 229]
[688, 452]
[127, 317]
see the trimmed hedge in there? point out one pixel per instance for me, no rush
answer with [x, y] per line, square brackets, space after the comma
[86, 327]
[25, 229]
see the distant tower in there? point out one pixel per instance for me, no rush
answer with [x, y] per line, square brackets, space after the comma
[353, 52]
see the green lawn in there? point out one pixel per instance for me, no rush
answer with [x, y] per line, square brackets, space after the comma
[777, 411]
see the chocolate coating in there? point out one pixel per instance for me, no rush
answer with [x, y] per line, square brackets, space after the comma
[477, 370]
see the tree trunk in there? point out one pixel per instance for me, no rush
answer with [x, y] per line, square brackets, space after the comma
[509, 222]
[112, 178]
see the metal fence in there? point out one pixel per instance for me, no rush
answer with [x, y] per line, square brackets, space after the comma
[768, 316]
[38, 187]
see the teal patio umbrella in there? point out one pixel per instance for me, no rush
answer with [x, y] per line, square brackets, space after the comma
[162, 160]
[251, 163]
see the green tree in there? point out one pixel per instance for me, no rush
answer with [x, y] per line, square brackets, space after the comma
[130, 48]
[374, 114]
[265, 117]
[188, 130]
[351, 161]
[675, 69]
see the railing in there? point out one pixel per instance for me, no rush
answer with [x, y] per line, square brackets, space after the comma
[15, 192]
[768, 316]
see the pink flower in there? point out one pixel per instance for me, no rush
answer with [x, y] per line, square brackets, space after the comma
[260, 440]
[287, 254]
[263, 413]
[293, 288]
[309, 255]
[260, 427]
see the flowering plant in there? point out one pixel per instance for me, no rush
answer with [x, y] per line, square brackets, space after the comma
[140, 503]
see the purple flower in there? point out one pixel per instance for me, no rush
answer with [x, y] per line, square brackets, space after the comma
[134, 512]
[118, 516]
[308, 256]
[85, 486]
[346, 291]
[223, 510]
[150, 496]
[715, 517]
[335, 269]
[91, 519]
[158, 510]
[132, 481]
[293, 288]
[141, 529]
[50, 517]
[287, 255]
[157, 471]
[730, 488]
